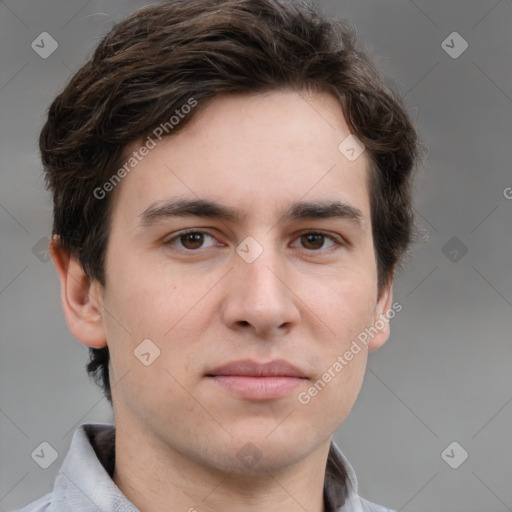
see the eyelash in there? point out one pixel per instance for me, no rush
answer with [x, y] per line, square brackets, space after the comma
[337, 241]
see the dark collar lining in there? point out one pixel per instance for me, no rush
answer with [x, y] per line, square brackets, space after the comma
[335, 484]
[103, 440]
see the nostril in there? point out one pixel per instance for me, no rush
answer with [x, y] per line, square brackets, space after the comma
[244, 322]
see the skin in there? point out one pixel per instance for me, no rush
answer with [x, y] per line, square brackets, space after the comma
[303, 300]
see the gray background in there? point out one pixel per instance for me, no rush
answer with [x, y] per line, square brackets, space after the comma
[445, 374]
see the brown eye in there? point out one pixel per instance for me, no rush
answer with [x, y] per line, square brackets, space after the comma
[317, 241]
[312, 241]
[192, 240]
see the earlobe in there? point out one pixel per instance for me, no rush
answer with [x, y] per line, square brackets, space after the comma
[80, 301]
[381, 318]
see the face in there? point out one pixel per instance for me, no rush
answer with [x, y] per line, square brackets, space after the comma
[242, 249]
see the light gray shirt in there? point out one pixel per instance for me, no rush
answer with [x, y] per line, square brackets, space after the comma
[84, 482]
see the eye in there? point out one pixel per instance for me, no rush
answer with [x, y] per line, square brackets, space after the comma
[315, 241]
[192, 240]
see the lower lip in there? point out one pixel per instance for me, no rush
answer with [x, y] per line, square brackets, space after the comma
[258, 388]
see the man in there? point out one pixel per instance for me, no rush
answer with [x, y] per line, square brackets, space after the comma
[231, 184]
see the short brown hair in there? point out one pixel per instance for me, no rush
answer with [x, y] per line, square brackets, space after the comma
[154, 61]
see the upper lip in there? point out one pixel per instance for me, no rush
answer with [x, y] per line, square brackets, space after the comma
[248, 368]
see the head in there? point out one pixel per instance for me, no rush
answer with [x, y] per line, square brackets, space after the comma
[226, 117]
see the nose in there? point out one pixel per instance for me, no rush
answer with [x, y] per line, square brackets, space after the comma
[260, 297]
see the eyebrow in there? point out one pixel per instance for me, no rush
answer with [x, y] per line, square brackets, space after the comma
[211, 209]
[188, 208]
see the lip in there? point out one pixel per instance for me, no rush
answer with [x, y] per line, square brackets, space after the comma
[258, 381]
[249, 368]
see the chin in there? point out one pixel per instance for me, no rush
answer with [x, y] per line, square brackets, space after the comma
[251, 461]
[260, 455]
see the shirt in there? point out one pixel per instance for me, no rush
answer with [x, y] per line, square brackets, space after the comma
[84, 482]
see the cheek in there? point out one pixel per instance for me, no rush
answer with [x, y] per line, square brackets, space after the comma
[151, 341]
[346, 307]
[333, 394]
[157, 303]
[346, 304]
[145, 293]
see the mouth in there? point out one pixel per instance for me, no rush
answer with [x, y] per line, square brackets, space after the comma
[258, 381]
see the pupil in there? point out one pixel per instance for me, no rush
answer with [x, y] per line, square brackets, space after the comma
[192, 240]
[313, 241]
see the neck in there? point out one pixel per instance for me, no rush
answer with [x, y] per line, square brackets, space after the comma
[157, 478]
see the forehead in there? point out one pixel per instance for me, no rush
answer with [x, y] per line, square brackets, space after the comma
[253, 149]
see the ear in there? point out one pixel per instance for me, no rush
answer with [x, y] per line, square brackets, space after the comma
[381, 317]
[81, 298]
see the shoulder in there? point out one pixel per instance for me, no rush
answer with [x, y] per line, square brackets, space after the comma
[42, 504]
